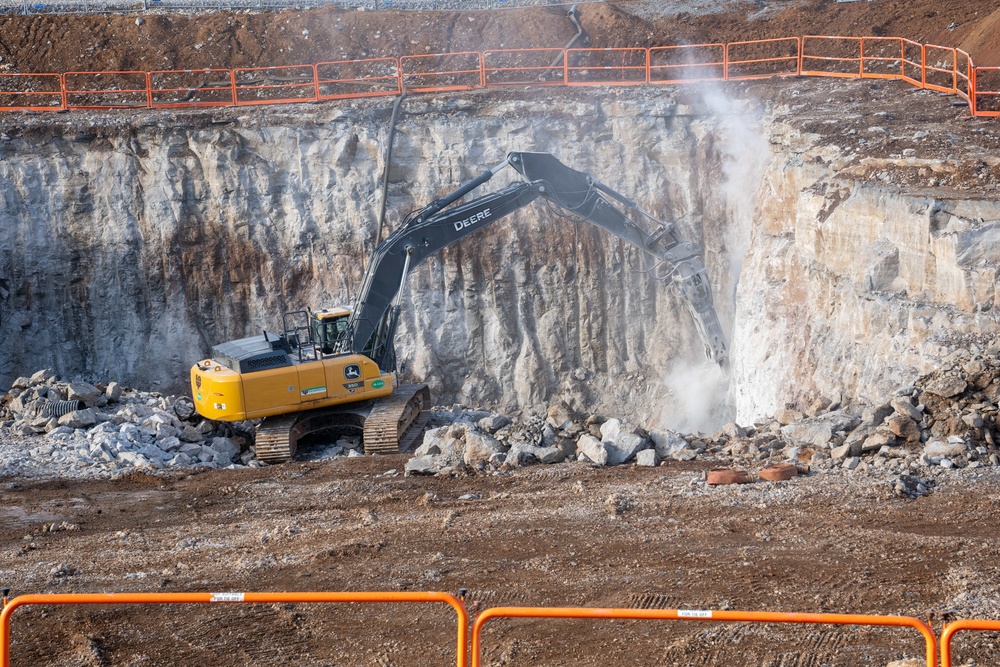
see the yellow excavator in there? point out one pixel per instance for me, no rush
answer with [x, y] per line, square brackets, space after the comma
[337, 367]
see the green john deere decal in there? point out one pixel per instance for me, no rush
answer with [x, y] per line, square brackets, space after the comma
[199, 395]
[314, 390]
[378, 384]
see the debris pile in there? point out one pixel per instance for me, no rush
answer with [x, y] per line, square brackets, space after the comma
[947, 420]
[78, 428]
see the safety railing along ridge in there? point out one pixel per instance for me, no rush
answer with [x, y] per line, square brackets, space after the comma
[929, 66]
[469, 646]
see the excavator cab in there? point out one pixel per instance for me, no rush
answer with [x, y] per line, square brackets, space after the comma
[328, 327]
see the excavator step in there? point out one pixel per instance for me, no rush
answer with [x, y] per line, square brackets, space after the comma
[397, 420]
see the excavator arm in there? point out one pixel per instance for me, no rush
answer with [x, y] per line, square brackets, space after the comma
[373, 323]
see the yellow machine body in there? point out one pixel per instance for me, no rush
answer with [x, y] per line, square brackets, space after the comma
[227, 395]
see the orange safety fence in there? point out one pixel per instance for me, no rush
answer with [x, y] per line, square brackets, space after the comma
[524, 67]
[461, 659]
[600, 67]
[963, 75]
[968, 624]
[913, 62]
[832, 56]
[274, 85]
[987, 91]
[31, 92]
[929, 66]
[882, 57]
[442, 72]
[763, 58]
[106, 90]
[345, 79]
[171, 89]
[688, 63]
[941, 67]
[930, 642]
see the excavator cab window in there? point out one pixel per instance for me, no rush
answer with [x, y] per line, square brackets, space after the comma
[327, 333]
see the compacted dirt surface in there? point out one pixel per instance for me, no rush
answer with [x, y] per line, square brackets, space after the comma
[163, 41]
[560, 535]
[568, 534]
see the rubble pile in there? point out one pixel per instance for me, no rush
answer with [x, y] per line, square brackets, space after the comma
[946, 420]
[76, 428]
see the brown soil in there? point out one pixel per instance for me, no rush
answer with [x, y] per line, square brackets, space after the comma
[60, 43]
[555, 535]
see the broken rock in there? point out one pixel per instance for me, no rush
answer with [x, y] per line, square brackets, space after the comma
[593, 449]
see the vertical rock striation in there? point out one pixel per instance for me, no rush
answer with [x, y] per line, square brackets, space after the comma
[129, 244]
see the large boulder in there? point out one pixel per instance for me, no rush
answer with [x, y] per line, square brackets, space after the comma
[225, 451]
[83, 391]
[43, 376]
[79, 418]
[621, 441]
[423, 465]
[593, 449]
[667, 443]
[479, 448]
[902, 426]
[447, 442]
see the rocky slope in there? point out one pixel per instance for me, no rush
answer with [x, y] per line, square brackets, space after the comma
[132, 243]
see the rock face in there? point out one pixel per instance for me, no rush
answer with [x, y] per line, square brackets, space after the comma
[219, 228]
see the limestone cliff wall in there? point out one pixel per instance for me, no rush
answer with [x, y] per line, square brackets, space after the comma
[129, 244]
[853, 288]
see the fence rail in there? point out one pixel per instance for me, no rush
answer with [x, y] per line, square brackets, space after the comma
[702, 615]
[469, 647]
[11, 606]
[939, 68]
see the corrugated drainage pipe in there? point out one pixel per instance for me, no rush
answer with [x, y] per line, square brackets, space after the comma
[57, 408]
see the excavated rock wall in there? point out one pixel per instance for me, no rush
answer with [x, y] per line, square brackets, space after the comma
[130, 244]
[852, 289]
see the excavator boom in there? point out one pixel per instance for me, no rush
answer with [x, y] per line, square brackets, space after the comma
[434, 227]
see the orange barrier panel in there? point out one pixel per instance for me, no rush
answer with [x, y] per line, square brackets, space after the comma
[442, 72]
[169, 89]
[274, 85]
[687, 63]
[882, 57]
[963, 76]
[228, 598]
[515, 67]
[941, 68]
[106, 90]
[31, 92]
[958, 626]
[592, 67]
[763, 58]
[698, 615]
[986, 87]
[346, 79]
[914, 60]
[837, 56]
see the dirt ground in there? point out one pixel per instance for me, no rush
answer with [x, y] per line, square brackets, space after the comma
[568, 534]
[556, 535]
[103, 42]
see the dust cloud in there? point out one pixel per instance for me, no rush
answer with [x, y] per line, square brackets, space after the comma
[701, 389]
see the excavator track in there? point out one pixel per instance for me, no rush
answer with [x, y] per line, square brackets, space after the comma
[396, 421]
[275, 440]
